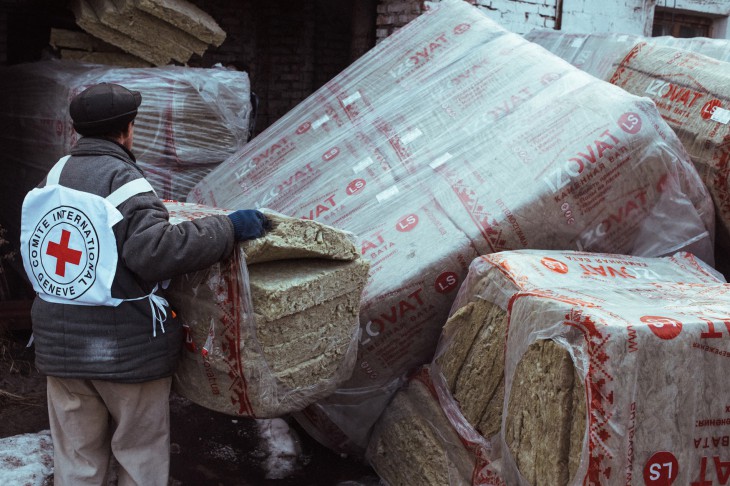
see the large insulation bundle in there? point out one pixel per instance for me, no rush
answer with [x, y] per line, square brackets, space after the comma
[689, 81]
[275, 327]
[562, 366]
[692, 93]
[599, 53]
[190, 120]
[454, 138]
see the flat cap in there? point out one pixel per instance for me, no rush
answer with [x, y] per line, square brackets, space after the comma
[103, 108]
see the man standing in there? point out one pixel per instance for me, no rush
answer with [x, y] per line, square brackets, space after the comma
[98, 246]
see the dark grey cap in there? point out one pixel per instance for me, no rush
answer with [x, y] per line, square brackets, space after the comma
[104, 108]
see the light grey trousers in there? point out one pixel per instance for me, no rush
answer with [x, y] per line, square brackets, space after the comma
[92, 419]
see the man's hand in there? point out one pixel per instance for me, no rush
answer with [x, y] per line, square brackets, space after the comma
[249, 224]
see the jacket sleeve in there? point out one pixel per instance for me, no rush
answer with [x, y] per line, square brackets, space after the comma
[156, 250]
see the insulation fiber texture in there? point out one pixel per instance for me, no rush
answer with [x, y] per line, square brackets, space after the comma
[559, 368]
[688, 80]
[269, 337]
[455, 138]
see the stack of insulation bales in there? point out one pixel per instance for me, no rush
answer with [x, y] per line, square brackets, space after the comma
[451, 139]
[80, 46]
[274, 328]
[567, 368]
[156, 31]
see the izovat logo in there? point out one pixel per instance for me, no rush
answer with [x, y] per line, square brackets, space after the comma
[375, 246]
[409, 308]
[269, 155]
[325, 206]
[673, 93]
[273, 152]
[300, 175]
[606, 271]
[419, 57]
[582, 162]
[634, 204]
[510, 104]
[64, 251]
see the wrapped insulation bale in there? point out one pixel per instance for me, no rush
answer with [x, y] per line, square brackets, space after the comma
[688, 80]
[275, 327]
[451, 139]
[549, 363]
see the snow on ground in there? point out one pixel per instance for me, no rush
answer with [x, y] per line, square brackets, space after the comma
[282, 445]
[26, 460]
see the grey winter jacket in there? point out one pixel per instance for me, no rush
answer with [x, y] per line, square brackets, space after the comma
[117, 343]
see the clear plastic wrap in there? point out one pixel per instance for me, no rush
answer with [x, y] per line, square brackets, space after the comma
[692, 93]
[454, 138]
[688, 80]
[275, 327]
[190, 119]
[512, 300]
[599, 53]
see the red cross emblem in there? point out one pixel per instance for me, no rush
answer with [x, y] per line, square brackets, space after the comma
[63, 253]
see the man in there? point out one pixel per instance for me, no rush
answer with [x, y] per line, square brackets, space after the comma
[98, 246]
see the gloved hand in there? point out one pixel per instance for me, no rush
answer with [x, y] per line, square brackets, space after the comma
[249, 224]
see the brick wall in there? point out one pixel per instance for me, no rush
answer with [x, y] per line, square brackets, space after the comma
[518, 16]
[394, 14]
[288, 47]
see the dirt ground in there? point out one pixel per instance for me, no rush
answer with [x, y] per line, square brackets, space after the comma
[207, 447]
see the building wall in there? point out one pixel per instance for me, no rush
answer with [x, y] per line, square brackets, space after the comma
[624, 16]
[521, 16]
[579, 16]
[720, 8]
[289, 48]
[518, 16]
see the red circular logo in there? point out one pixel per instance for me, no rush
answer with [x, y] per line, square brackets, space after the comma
[630, 123]
[461, 28]
[663, 327]
[355, 186]
[331, 154]
[555, 265]
[709, 109]
[303, 128]
[446, 282]
[549, 78]
[407, 223]
[661, 469]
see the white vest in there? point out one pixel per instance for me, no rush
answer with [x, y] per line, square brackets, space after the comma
[68, 246]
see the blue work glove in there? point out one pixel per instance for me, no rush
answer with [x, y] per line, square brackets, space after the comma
[249, 224]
